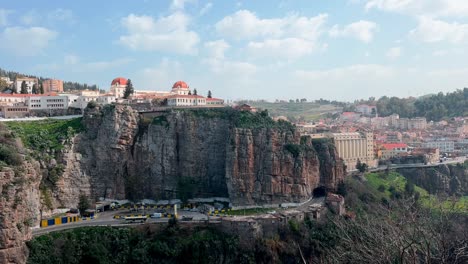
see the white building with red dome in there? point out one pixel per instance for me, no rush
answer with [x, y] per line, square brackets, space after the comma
[179, 95]
[118, 87]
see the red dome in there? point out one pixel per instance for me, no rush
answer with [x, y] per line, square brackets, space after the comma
[180, 84]
[120, 81]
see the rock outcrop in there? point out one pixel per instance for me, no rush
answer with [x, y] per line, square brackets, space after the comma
[19, 209]
[196, 153]
[444, 179]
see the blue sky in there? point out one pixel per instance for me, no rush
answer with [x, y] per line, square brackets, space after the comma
[341, 49]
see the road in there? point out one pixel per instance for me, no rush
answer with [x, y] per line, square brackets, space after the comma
[107, 219]
[418, 165]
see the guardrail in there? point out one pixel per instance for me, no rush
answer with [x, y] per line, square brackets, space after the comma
[60, 221]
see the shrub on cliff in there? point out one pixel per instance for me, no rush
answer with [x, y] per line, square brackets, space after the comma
[9, 155]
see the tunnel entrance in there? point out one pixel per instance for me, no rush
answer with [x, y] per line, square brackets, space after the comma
[319, 192]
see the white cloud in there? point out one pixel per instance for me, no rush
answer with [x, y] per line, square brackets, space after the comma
[179, 4]
[433, 30]
[26, 41]
[71, 59]
[393, 53]
[363, 70]
[4, 17]
[433, 8]
[217, 48]
[162, 75]
[289, 37]
[58, 15]
[246, 25]
[233, 69]
[104, 65]
[220, 65]
[168, 34]
[341, 83]
[206, 8]
[288, 48]
[362, 30]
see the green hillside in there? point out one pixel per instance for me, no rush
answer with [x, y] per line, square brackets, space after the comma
[295, 111]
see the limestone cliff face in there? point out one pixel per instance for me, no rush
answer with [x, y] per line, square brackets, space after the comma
[261, 168]
[185, 154]
[19, 210]
[443, 179]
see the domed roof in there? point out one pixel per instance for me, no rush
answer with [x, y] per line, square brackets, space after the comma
[180, 84]
[119, 80]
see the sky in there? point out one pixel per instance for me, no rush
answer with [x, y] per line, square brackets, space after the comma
[263, 49]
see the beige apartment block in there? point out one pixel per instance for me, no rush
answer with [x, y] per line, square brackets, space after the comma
[355, 146]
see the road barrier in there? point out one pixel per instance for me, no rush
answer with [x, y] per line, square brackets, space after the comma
[59, 221]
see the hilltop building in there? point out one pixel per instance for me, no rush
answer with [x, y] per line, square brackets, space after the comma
[30, 82]
[118, 87]
[52, 85]
[367, 110]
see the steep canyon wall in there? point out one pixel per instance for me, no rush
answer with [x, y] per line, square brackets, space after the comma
[196, 153]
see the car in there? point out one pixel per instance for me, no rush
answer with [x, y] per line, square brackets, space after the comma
[156, 215]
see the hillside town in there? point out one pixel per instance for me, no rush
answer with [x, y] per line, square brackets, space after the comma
[27, 97]
[363, 137]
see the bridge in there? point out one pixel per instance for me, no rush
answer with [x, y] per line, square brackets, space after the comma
[460, 160]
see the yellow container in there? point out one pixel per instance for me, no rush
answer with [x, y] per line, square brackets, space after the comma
[44, 223]
[58, 221]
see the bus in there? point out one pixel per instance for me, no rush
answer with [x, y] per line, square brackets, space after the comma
[135, 219]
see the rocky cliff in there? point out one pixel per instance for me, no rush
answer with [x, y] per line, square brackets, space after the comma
[246, 157]
[442, 180]
[19, 199]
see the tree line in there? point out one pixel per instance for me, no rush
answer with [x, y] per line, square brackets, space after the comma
[433, 107]
[67, 86]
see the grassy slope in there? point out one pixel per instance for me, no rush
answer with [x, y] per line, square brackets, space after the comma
[45, 135]
[374, 180]
[310, 111]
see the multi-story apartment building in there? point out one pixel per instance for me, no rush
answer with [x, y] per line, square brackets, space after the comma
[355, 146]
[30, 82]
[52, 85]
[444, 146]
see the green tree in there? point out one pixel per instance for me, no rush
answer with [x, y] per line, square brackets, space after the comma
[189, 92]
[128, 89]
[34, 89]
[24, 88]
[3, 85]
[361, 167]
[209, 94]
[195, 92]
[83, 203]
[41, 88]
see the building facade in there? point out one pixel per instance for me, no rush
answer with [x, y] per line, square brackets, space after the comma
[52, 85]
[355, 146]
[390, 150]
[47, 102]
[444, 146]
[30, 82]
[118, 86]
[7, 111]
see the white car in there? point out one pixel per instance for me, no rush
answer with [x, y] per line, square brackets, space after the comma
[156, 215]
